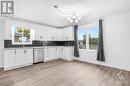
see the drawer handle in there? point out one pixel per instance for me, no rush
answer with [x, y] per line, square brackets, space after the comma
[41, 37]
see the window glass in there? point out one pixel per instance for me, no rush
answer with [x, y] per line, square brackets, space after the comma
[21, 35]
[82, 38]
[88, 36]
[93, 38]
[18, 35]
[26, 35]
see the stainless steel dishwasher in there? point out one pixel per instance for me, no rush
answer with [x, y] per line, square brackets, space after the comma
[38, 55]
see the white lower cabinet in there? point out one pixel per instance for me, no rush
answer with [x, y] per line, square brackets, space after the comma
[51, 53]
[66, 53]
[19, 57]
[24, 56]
[9, 59]
[15, 58]
[57, 52]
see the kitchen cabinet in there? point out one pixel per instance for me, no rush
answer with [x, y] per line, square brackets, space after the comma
[56, 52]
[57, 35]
[68, 34]
[48, 35]
[66, 53]
[41, 33]
[28, 56]
[19, 57]
[51, 53]
[9, 58]
[24, 56]
[38, 35]
[15, 58]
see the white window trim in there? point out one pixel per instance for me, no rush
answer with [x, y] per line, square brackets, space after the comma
[22, 43]
[87, 41]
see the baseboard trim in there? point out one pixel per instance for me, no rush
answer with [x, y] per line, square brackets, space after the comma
[81, 60]
[20, 66]
[46, 60]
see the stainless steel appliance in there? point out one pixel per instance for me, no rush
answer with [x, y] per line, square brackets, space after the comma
[38, 55]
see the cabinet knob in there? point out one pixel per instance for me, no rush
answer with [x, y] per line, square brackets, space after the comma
[52, 38]
[41, 37]
[66, 37]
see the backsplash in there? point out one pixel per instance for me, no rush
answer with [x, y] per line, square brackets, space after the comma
[8, 44]
[36, 43]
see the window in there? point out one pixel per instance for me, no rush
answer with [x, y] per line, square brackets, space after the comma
[88, 36]
[21, 35]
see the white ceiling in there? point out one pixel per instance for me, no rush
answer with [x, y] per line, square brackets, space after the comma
[42, 11]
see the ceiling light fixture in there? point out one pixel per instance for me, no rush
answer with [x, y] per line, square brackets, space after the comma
[72, 18]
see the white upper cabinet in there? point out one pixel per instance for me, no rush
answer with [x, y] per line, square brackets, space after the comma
[57, 35]
[68, 34]
[43, 33]
[38, 32]
[8, 30]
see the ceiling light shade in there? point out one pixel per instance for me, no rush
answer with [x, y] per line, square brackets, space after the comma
[74, 19]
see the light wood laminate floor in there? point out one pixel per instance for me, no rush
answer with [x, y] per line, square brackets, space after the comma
[63, 73]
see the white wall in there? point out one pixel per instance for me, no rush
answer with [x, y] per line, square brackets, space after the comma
[116, 43]
[1, 43]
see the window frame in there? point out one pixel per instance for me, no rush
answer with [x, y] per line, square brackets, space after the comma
[88, 26]
[18, 43]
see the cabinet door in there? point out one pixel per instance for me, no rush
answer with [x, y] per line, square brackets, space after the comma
[28, 56]
[67, 53]
[9, 58]
[20, 57]
[57, 34]
[38, 34]
[24, 56]
[8, 30]
[64, 34]
[46, 35]
[49, 35]
[51, 53]
[70, 33]
[67, 34]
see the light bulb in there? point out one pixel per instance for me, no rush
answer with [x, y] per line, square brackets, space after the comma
[76, 20]
[79, 18]
[74, 17]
